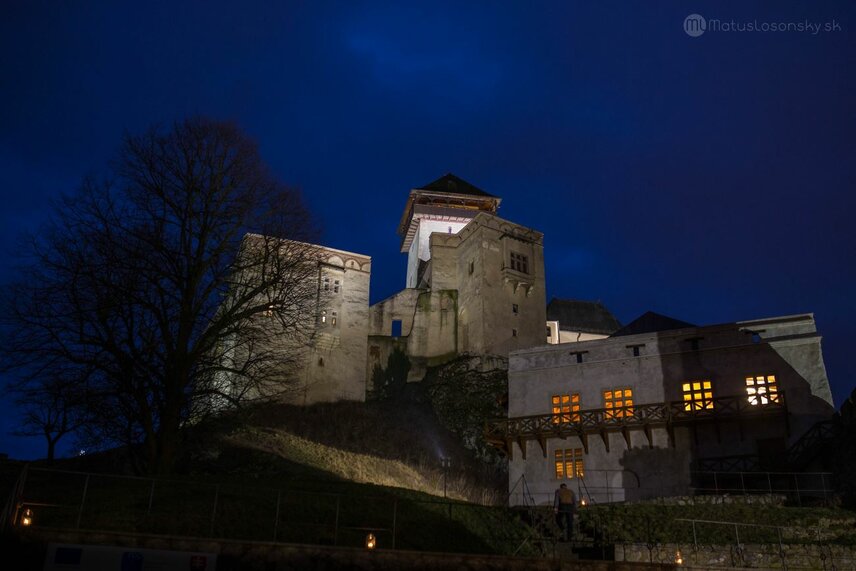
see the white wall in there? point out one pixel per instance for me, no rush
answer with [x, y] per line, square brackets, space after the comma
[420, 250]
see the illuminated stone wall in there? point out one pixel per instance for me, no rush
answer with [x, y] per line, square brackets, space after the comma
[471, 300]
[787, 348]
[335, 364]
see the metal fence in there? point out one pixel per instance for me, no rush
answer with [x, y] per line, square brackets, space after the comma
[61, 499]
[611, 486]
[58, 499]
[799, 487]
[757, 545]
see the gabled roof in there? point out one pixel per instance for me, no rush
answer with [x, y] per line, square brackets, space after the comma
[650, 322]
[455, 185]
[585, 316]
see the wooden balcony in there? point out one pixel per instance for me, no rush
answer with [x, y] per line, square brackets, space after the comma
[503, 433]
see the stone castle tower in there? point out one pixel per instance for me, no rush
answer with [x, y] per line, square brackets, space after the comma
[475, 282]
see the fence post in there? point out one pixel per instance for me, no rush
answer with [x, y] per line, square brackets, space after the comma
[151, 498]
[782, 550]
[336, 524]
[276, 517]
[797, 486]
[214, 509]
[394, 519]
[82, 501]
[743, 484]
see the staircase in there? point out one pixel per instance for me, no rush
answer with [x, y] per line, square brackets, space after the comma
[812, 444]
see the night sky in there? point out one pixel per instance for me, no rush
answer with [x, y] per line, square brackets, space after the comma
[710, 178]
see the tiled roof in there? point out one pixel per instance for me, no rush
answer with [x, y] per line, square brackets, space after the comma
[452, 184]
[585, 316]
[651, 322]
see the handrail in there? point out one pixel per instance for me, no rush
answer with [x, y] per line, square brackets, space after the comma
[820, 431]
[580, 423]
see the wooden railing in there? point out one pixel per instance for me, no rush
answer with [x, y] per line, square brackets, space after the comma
[810, 444]
[503, 432]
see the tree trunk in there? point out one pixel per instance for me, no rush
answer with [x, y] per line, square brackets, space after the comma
[168, 440]
[51, 448]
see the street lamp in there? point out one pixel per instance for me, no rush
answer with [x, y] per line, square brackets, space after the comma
[446, 462]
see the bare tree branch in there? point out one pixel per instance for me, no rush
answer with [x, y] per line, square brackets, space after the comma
[152, 286]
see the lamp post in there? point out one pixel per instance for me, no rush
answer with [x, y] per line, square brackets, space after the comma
[446, 462]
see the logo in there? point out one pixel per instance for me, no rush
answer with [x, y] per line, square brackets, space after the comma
[695, 25]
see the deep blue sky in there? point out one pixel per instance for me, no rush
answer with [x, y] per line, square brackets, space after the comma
[709, 178]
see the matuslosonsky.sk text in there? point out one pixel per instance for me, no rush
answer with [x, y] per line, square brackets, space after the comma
[695, 25]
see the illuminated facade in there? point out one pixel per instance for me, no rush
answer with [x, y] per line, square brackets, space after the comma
[475, 282]
[638, 411]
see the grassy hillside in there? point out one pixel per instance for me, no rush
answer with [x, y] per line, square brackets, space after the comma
[655, 523]
[392, 444]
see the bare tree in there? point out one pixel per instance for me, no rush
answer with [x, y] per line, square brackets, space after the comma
[151, 285]
[51, 409]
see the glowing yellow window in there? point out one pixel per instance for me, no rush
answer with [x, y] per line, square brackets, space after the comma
[698, 395]
[762, 389]
[566, 408]
[569, 463]
[618, 403]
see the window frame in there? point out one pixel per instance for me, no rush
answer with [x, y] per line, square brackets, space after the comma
[519, 262]
[568, 460]
[763, 393]
[697, 395]
[565, 408]
[626, 399]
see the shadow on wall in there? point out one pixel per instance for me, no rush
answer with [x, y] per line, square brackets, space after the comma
[727, 368]
[660, 472]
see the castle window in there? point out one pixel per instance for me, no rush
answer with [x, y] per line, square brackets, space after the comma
[549, 333]
[698, 395]
[566, 408]
[618, 403]
[519, 263]
[693, 341]
[334, 318]
[323, 317]
[762, 390]
[336, 286]
[320, 361]
[514, 332]
[326, 284]
[635, 349]
[569, 463]
[579, 355]
[514, 308]
[472, 267]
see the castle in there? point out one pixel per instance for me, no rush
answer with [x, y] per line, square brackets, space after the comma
[619, 412]
[474, 285]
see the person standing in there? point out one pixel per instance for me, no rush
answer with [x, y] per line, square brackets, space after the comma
[565, 506]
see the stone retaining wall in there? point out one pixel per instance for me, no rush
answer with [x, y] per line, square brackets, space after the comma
[758, 556]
